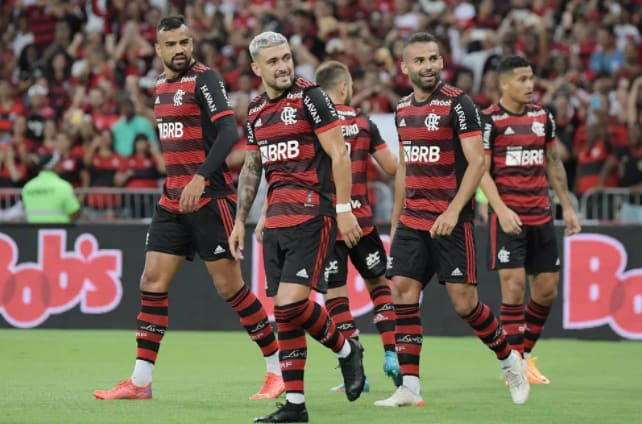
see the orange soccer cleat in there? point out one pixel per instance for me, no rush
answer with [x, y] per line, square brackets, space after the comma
[125, 390]
[272, 388]
[533, 373]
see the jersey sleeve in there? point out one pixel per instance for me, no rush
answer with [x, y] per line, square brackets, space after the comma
[550, 128]
[211, 95]
[249, 135]
[465, 117]
[320, 110]
[488, 133]
[376, 141]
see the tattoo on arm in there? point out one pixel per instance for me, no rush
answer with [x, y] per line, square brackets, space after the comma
[249, 180]
[556, 173]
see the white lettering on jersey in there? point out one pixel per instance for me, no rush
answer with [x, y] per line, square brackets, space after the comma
[208, 98]
[488, 129]
[421, 154]
[170, 130]
[314, 113]
[257, 108]
[282, 150]
[518, 156]
[349, 130]
[461, 117]
[438, 102]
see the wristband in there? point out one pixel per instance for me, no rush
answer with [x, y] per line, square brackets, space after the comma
[343, 207]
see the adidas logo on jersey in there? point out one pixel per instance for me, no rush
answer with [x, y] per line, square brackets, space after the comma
[456, 273]
[219, 249]
[302, 273]
[157, 102]
[402, 123]
[509, 131]
[258, 123]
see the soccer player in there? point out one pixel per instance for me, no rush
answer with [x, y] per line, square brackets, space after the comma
[519, 141]
[294, 133]
[368, 256]
[439, 170]
[196, 211]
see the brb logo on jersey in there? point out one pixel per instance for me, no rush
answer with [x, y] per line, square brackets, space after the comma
[170, 130]
[59, 280]
[421, 154]
[518, 156]
[283, 150]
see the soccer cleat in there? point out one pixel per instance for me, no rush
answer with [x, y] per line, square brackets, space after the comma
[272, 388]
[354, 377]
[391, 368]
[341, 388]
[533, 374]
[125, 390]
[403, 396]
[286, 413]
[515, 376]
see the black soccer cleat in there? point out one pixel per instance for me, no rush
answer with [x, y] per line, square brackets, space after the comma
[286, 413]
[354, 378]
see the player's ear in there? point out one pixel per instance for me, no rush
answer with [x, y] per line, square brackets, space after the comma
[256, 69]
[404, 68]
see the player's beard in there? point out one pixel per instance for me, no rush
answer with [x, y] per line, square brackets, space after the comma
[282, 86]
[427, 86]
[178, 68]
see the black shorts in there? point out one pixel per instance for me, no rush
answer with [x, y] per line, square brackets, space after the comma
[297, 254]
[534, 249]
[368, 257]
[205, 231]
[414, 254]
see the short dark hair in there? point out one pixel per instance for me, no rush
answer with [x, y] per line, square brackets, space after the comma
[329, 73]
[509, 63]
[169, 23]
[421, 37]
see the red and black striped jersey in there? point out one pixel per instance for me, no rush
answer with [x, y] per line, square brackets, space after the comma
[430, 136]
[517, 145]
[186, 110]
[297, 169]
[362, 138]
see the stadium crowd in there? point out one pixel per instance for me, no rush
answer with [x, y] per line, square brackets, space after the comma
[78, 76]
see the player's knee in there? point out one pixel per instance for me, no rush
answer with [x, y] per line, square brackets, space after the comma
[545, 295]
[513, 291]
[152, 282]
[227, 288]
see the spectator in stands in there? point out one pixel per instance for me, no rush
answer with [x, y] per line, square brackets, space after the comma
[48, 199]
[72, 166]
[13, 173]
[142, 170]
[102, 163]
[607, 58]
[10, 108]
[38, 112]
[129, 126]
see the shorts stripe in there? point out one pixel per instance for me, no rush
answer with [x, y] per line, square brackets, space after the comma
[323, 250]
[470, 253]
[493, 240]
[226, 216]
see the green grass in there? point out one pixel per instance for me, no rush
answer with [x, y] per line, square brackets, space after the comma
[47, 376]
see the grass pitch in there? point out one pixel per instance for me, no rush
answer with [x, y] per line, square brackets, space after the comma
[47, 376]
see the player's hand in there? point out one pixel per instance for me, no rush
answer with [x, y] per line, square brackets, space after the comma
[510, 222]
[444, 224]
[260, 226]
[192, 194]
[237, 240]
[571, 221]
[349, 228]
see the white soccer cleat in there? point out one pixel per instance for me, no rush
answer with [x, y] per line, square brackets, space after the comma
[402, 397]
[516, 378]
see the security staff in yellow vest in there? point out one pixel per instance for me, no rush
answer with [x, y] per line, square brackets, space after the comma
[47, 198]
